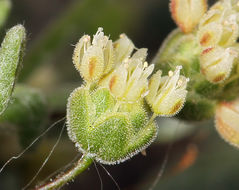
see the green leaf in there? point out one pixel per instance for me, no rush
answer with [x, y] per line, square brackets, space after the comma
[5, 6]
[11, 54]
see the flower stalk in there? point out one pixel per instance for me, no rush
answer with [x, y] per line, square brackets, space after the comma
[59, 181]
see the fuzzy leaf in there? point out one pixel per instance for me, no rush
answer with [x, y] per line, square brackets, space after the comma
[11, 54]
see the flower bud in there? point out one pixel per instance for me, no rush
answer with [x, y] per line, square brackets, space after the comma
[187, 14]
[226, 121]
[167, 94]
[216, 63]
[95, 59]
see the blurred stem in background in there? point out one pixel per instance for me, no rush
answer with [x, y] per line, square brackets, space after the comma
[5, 6]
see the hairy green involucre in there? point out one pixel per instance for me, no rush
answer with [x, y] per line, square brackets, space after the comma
[109, 132]
[11, 54]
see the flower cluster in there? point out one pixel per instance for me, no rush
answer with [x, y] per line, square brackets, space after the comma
[164, 89]
[207, 47]
[217, 35]
[107, 117]
[110, 65]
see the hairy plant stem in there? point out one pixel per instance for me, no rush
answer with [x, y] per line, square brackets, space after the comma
[61, 180]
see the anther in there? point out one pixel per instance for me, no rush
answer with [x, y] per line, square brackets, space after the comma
[170, 73]
[145, 64]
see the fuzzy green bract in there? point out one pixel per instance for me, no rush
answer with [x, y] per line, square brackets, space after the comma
[108, 131]
[11, 54]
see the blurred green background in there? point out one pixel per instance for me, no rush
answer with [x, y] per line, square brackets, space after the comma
[197, 157]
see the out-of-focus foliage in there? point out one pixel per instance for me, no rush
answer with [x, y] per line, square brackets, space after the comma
[5, 6]
[27, 112]
[80, 17]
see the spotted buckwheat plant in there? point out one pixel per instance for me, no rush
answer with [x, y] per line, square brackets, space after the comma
[110, 118]
[107, 117]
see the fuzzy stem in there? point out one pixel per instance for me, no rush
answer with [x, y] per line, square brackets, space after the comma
[79, 167]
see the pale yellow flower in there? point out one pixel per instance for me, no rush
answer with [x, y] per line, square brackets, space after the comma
[167, 94]
[95, 59]
[129, 81]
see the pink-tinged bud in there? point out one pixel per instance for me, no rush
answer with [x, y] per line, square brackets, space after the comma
[227, 121]
[216, 63]
[187, 13]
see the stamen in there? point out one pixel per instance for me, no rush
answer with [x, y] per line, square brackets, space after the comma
[122, 35]
[87, 38]
[126, 60]
[170, 73]
[180, 82]
[145, 64]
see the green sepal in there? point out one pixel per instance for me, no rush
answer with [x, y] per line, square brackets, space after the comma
[11, 54]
